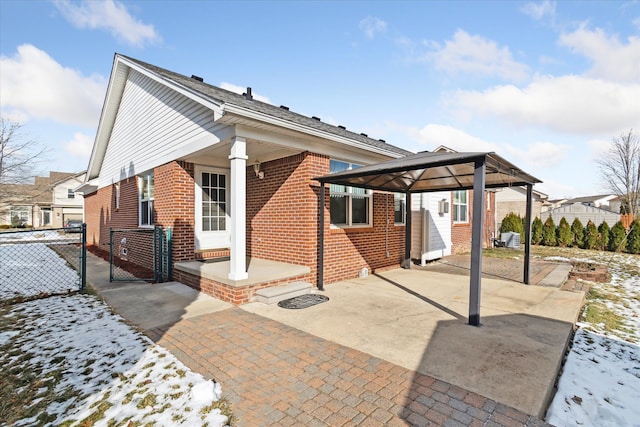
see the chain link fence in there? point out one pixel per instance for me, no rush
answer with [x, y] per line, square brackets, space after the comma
[140, 254]
[40, 263]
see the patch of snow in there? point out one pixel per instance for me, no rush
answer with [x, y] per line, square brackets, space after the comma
[31, 269]
[36, 236]
[557, 259]
[104, 361]
[6, 336]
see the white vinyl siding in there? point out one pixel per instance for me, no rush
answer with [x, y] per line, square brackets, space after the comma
[153, 122]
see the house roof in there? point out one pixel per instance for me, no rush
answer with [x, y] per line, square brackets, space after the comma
[223, 96]
[428, 171]
[586, 199]
[223, 102]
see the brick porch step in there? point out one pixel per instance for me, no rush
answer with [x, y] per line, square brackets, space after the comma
[279, 293]
[208, 254]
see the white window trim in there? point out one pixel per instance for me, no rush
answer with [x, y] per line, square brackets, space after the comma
[140, 200]
[368, 194]
[403, 198]
[453, 209]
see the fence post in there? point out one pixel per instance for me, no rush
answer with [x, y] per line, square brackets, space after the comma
[83, 261]
[110, 255]
[168, 252]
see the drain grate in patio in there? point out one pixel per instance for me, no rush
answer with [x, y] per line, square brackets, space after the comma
[303, 301]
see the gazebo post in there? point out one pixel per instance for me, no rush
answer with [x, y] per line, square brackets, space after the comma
[527, 235]
[407, 232]
[476, 241]
[320, 268]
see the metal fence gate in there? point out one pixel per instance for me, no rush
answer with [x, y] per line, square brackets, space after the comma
[41, 263]
[140, 254]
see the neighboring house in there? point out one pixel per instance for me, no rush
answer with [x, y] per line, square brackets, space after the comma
[30, 204]
[514, 200]
[584, 212]
[233, 177]
[552, 204]
[460, 217]
[599, 201]
[66, 204]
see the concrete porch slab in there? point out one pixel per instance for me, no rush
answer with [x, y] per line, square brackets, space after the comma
[259, 270]
[418, 320]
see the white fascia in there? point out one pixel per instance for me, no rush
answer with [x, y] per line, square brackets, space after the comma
[234, 109]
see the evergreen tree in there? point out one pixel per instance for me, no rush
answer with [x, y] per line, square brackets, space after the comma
[633, 240]
[536, 231]
[604, 231]
[577, 229]
[616, 237]
[512, 222]
[563, 233]
[590, 236]
[549, 233]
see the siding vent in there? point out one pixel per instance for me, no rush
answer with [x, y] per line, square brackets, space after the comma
[315, 118]
[194, 77]
[342, 127]
[284, 107]
[248, 94]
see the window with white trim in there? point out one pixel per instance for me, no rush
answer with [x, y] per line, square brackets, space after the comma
[146, 200]
[399, 208]
[19, 215]
[117, 195]
[460, 206]
[350, 206]
[71, 194]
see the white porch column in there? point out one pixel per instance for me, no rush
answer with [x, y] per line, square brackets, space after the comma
[238, 185]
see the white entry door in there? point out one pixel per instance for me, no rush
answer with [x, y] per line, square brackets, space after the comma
[212, 208]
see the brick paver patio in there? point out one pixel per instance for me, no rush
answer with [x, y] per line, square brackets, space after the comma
[276, 375]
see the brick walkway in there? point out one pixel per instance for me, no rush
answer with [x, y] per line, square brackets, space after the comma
[277, 375]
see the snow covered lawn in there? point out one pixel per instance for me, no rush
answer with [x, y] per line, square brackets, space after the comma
[600, 382]
[68, 360]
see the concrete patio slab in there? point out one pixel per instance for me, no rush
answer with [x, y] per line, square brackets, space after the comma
[418, 320]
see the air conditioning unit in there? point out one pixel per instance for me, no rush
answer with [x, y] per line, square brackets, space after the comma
[510, 240]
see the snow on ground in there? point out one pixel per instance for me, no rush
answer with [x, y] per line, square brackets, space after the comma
[97, 368]
[29, 269]
[600, 382]
[36, 236]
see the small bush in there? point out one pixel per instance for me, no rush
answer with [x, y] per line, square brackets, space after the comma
[577, 229]
[633, 240]
[617, 237]
[563, 233]
[549, 233]
[605, 232]
[512, 222]
[591, 236]
[536, 231]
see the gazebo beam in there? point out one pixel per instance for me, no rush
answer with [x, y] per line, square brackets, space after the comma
[527, 235]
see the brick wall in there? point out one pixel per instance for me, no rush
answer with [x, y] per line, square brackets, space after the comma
[101, 213]
[174, 204]
[461, 233]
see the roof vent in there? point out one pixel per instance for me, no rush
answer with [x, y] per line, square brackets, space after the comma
[382, 140]
[315, 118]
[248, 94]
[194, 77]
[284, 107]
[342, 127]
[365, 135]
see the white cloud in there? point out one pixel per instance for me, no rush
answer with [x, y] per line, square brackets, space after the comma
[540, 10]
[470, 54]
[371, 26]
[572, 104]
[109, 15]
[434, 135]
[612, 59]
[80, 146]
[537, 155]
[241, 89]
[34, 84]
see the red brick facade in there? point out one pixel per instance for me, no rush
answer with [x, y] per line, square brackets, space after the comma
[461, 232]
[282, 222]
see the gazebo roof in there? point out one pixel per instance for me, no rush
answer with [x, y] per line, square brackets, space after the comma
[432, 171]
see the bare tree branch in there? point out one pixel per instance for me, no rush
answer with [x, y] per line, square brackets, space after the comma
[620, 170]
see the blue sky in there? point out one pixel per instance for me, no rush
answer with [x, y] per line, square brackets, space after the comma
[547, 85]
